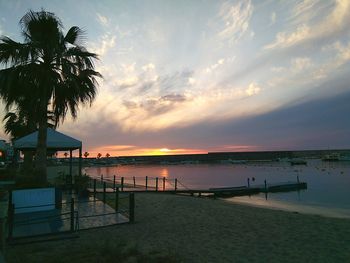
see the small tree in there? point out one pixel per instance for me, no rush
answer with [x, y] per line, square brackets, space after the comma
[99, 155]
[107, 155]
[65, 155]
[86, 154]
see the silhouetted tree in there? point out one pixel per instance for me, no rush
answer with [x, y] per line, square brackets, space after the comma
[52, 68]
[86, 154]
[99, 155]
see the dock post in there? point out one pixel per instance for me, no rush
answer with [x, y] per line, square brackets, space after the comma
[94, 189]
[131, 208]
[101, 178]
[248, 182]
[163, 183]
[116, 199]
[298, 179]
[104, 192]
[114, 182]
[122, 184]
[265, 185]
[156, 184]
[72, 215]
[146, 182]
[175, 184]
[134, 181]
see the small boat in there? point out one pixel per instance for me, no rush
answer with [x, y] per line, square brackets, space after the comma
[298, 161]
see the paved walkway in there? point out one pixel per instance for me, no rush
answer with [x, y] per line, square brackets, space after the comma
[94, 213]
[90, 214]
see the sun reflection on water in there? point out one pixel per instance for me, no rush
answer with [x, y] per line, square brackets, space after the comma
[164, 172]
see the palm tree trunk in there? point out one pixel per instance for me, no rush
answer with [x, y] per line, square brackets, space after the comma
[41, 150]
[28, 160]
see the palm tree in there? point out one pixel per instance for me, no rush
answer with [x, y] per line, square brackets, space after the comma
[53, 69]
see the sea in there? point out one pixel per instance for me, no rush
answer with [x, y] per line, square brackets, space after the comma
[327, 193]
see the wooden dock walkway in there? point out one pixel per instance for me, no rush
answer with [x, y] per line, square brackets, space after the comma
[214, 192]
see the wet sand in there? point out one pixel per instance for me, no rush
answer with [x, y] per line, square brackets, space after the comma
[190, 229]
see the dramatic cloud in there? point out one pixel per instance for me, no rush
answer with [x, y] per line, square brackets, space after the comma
[104, 44]
[310, 28]
[210, 76]
[236, 19]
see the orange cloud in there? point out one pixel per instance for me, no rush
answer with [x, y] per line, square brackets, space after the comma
[131, 150]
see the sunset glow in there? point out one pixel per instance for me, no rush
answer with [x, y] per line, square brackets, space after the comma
[189, 77]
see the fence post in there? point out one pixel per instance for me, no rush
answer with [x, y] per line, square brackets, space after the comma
[72, 215]
[156, 184]
[101, 178]
[298, 179]
[146, 182]
[114, 182]
[175, 184]
[131, 208]
[134, 181]
[122, 184]
[94, 189]
[163, 183]
[248, 182]
[104, 192]
[117, 199]
[265, 185]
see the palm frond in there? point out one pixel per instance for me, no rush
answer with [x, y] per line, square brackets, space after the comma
[75, 36]
[14, 53]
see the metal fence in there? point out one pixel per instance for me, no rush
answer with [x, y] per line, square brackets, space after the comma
[70, 215]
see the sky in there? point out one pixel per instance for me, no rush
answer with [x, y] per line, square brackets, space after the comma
[202, 76]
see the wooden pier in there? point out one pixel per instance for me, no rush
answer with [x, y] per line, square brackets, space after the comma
[113, 186]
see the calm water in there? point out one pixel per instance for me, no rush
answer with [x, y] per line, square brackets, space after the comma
[328, 190]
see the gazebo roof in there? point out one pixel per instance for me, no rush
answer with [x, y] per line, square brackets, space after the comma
[55, 141]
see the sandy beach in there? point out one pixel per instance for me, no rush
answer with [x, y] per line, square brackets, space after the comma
[190, 229]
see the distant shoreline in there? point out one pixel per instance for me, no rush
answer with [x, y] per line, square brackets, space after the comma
[211, 157]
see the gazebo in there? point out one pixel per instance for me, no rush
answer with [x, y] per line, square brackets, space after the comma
[56, 141]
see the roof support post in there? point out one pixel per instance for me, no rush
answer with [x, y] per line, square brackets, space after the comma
[80, 160]
[71, 166]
